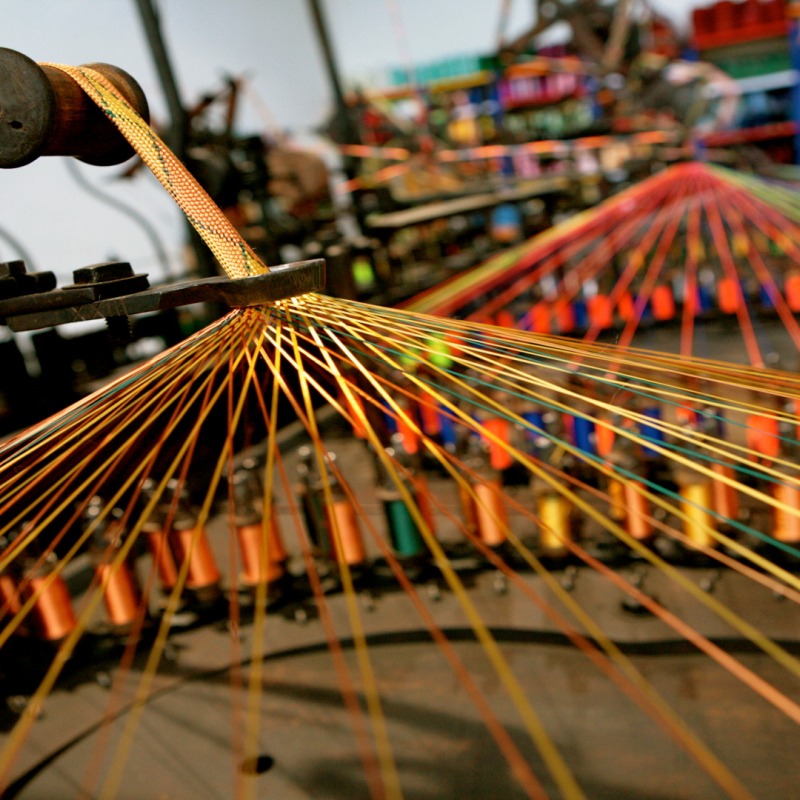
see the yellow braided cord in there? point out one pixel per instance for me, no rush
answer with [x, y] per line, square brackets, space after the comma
[232, 252]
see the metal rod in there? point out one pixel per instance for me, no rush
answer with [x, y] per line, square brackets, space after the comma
[177, 112]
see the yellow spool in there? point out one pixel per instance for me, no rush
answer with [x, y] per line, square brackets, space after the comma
[553, 521]
[697, 499]
[616, 494]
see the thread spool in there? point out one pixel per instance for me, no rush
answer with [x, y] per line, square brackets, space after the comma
[762, 435]
[554, 526]
[625, 306]
[9, 594]
[469, 510]
[728, 296]
[43, 111]
[651, 432]
[696, 498]
[121, 594]
[344, 515]
[662, 302]
[540, 318]
[616, 494]
[637, 508]
[202, 574]
[405, 537]
[786, 525]
[163, 558]
[490, 513]
[505, 319]
[726, 498]
[564, 314]
[604, 438]
[254, 571]
[499, 457]
[582, 432]
[54, 613]
[791, 289]
[601, 312]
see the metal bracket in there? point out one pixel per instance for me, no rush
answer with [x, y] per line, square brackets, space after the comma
[100, 293]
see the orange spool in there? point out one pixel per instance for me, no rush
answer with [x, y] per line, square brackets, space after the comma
[791, 290]
[250, 538]
[468, 509]
[163, 558]
[9, 595]
[726, 498]
[625, 306]
[728, 297]
[505, 319]
[662, 303]
[429, 415]
[762, 435]
[408, 436]
[499, 457]
[490, 513]
[121, 595]
[203, 570]
[53, 608]
[604, 439]
[540, 318]
[565, 316]
[786, 523]
[350, 539]
[601, 313]
[638, 508]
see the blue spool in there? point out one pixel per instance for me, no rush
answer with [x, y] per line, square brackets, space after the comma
[582, 430]
[649, 432]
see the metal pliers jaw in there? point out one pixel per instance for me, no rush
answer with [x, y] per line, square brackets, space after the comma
[111, 291]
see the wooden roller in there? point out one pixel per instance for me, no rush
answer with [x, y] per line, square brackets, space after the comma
[43, 112]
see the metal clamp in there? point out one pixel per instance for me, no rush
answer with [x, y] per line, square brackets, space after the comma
[111, 291]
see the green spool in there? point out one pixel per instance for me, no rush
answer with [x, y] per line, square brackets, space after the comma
[406, 538]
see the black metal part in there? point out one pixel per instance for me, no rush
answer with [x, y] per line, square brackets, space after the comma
[105, 300]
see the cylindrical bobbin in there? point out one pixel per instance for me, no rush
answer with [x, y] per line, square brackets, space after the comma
[121, 596]
[163, 558]
[697, 498]
[203, 571]
[786, 524]
[345, 518]
[9, 595]
[554, 527]
[638, 509]
[490, 513]
[250, 538]
[616, 496]
[43, 111]
[726, 498]
[54, 611]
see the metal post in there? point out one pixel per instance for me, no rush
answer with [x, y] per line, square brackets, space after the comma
[178, 117]
[336, 84]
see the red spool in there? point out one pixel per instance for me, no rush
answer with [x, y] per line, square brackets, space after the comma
[625, 307]
[662, 303]
[499, 457]
[540, 318]
[601, 313]
[791, 290]
[728, 295]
